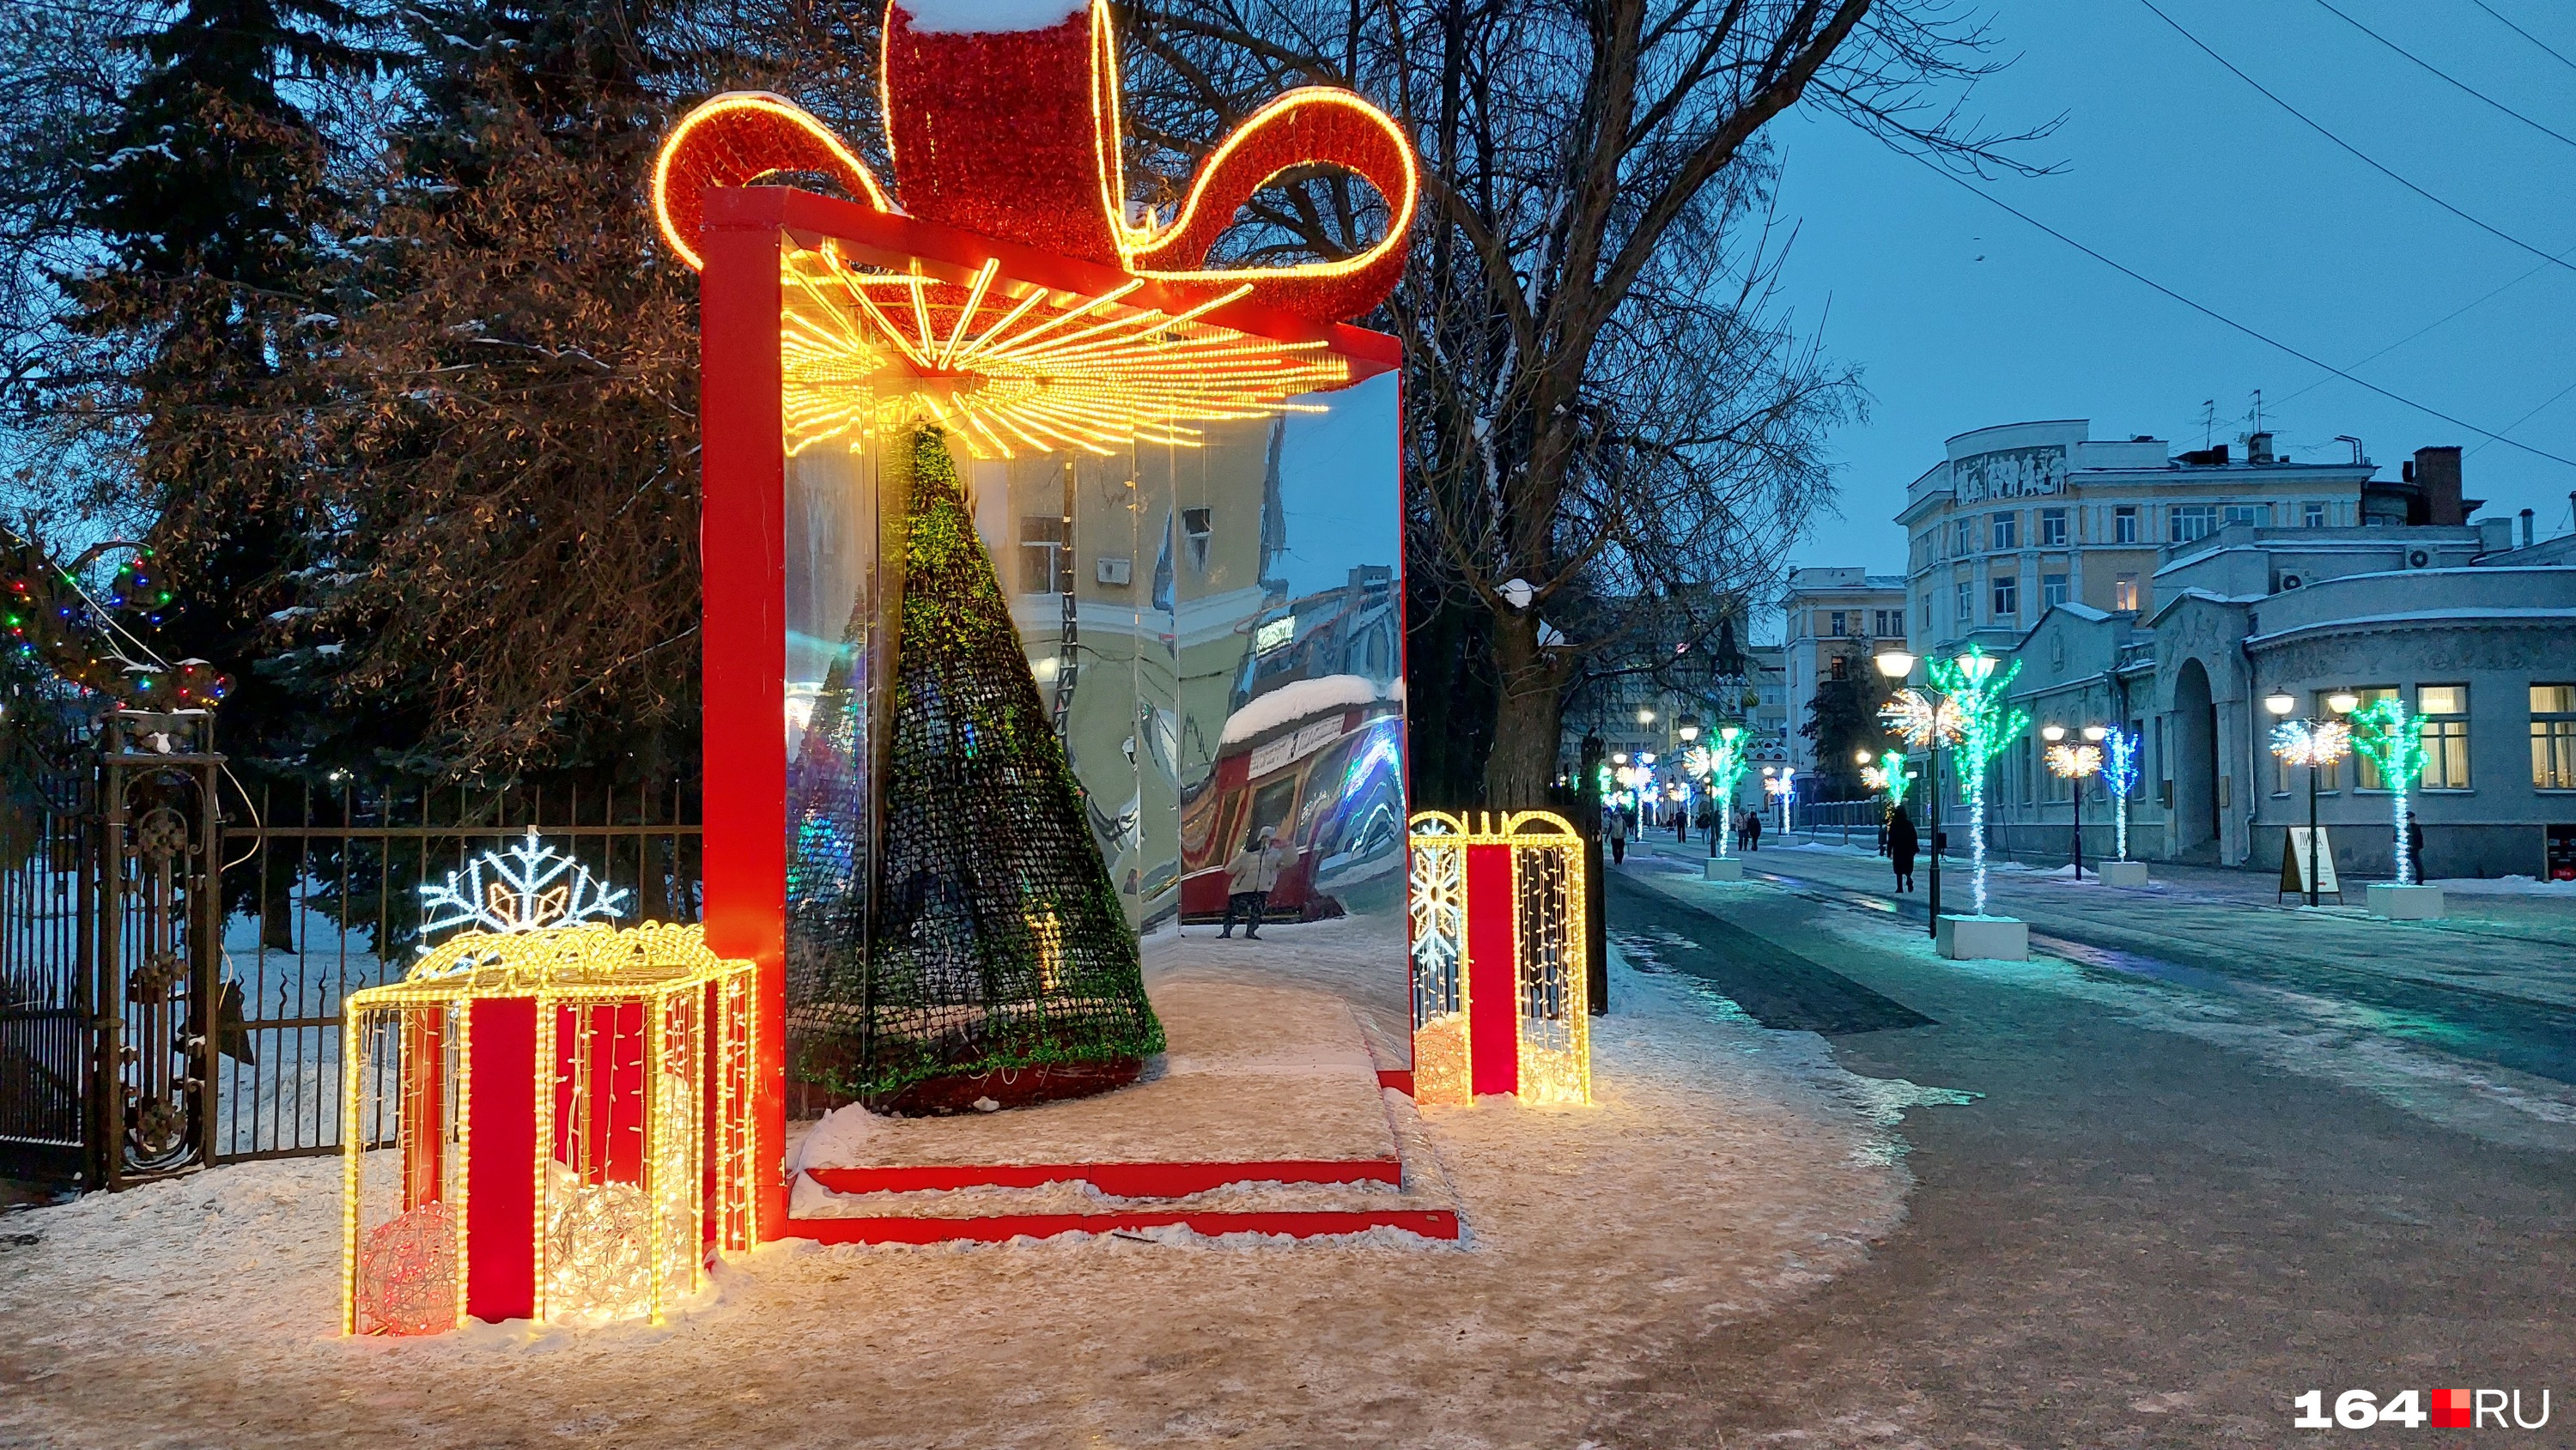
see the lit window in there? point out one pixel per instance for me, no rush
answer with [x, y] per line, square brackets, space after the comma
[1841, 666]
[2052, 590]
[2052, 528]
[2190, 521]
[2445, 711]
[2366, 774]
[2007, 594]
[2553, 737]
[2312, 515]
[2124, 592]
[2007, 531]
[2124, 524]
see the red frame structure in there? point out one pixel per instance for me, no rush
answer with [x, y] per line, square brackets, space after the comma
[742, 551]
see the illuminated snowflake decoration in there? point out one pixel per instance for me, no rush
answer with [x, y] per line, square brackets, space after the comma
[2074, 761]
[528, 888]
[1913, 715]
[2311, 742]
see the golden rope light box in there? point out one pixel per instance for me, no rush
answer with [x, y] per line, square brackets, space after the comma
[544, 1122]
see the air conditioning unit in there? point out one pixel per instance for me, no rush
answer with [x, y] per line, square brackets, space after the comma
[2291, 581]
[2419, 558]
[1112, 571]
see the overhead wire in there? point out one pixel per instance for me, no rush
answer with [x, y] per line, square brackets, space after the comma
[2231, 323]
[2479, 301]
[2362, 156]
[2525, 34]
[2445, 76]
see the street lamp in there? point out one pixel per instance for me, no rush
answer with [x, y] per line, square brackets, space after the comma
[2076, 763]
[1895, 665]
[2315, 744]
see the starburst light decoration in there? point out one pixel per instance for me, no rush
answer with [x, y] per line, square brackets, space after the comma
[1919, 720]
[1889, 778]
[2120, 776]
[2074, 762]
[2315, 743]
[528, 888]
[2395, 743]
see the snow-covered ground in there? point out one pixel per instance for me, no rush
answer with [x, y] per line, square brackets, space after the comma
[1724, 1169]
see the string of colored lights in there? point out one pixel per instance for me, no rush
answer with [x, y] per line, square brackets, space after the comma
[2392, 741]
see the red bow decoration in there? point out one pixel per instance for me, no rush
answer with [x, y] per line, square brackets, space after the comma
[1015, 135]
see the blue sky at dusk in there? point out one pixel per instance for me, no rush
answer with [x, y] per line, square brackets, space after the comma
[1962, 316]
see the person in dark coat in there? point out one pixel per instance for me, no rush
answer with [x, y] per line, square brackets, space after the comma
[1901, 845]
[2415, 847]
[1753, 830]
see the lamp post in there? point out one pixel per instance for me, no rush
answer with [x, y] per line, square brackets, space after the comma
[2075, 763]
[2315, 744]
[1969, 707]
[1895, 665]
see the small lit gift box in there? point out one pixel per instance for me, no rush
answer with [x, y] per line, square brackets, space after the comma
[545, 1124]
[1501, 991]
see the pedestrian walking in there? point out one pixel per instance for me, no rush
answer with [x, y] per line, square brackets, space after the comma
[1753, 830]
[1901, 845]
[1681, 826]
[1248, 879]
[1709, 818]
[1618, 833]
[2415, 847]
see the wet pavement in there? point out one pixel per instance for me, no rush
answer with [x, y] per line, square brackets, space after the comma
[2225, 1153]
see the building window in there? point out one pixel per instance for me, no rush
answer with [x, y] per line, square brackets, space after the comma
[2052, 528]
[1840, 666]
[1967, 612]
[2445, 711]
[2257, 514]
[1962, 537]
[2007, 594]
[2124, 524]
[1196, 531]
[2553, 737]
[2312, 515]
[1890, 622]
[2189, 521]
[1046, 565]
[1841, 623]
[2124, 592]
[2052, 590]
[1927, 613]
[2365, 774]
[2006, 532]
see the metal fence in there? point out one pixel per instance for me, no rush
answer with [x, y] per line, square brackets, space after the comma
[322, 897]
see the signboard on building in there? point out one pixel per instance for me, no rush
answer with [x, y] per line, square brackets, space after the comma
[2010, 472]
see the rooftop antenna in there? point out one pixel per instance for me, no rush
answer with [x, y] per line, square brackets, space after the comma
[2258, 410]
[2208, 419]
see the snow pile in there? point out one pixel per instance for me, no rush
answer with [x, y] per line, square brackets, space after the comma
[2504, 886]
[1724, 1169]
[1298, 700]
[839, 1136]
[971, 17]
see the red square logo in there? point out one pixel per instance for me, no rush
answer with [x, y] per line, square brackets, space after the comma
[2450, 1409]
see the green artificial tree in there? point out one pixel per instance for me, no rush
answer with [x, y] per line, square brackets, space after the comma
[999, 963]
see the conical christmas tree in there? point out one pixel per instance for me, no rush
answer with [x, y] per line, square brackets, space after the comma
[1000, 965]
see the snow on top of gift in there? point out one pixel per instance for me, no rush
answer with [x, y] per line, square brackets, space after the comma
[531, 887]
[971, 17]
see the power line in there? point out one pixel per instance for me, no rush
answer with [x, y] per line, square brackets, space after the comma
[2525, 34]
[2439, 74]
[2224, 320]
[2534, 413]
[2479, 301]
[2364, 157]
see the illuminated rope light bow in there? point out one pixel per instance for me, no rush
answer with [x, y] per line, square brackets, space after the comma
[530, 888]
[1016, 134]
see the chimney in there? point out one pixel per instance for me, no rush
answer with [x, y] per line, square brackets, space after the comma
[2526, 528]
[2258, 448]
[2437, 469]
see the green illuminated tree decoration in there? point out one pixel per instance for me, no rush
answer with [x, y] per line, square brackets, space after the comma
[1890, 778]
[1975, 688]
[2395, 744]
[1720, 766]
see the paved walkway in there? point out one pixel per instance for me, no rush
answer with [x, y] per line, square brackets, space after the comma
[2182, 1199]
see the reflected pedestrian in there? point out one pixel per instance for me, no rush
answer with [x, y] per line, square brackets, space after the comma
[1248, 879]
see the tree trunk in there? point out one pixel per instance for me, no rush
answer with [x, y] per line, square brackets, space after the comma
[1528, 719]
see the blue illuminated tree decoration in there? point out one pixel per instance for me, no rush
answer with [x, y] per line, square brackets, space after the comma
[528, 888]
[2120, 759]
